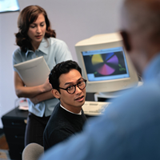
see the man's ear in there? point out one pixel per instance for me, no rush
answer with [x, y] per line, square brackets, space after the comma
[56, 93]
[126, 40]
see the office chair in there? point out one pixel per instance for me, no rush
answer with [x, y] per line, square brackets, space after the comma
[32, 151]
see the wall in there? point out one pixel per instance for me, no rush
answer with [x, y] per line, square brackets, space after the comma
[73, 20]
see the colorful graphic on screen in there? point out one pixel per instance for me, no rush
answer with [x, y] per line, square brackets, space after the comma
[103, 63]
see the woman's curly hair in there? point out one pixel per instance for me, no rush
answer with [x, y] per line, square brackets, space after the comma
[27, 16]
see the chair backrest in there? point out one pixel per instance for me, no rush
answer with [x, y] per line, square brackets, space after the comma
[32, 151]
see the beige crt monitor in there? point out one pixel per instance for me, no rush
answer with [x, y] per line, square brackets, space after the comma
[105, 63]
[33, 72]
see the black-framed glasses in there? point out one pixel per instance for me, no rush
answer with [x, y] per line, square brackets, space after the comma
[72, 88]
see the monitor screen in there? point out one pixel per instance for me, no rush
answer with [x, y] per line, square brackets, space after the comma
[105, 64]
[9, 6]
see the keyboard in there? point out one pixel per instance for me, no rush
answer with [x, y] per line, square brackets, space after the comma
[94, 108]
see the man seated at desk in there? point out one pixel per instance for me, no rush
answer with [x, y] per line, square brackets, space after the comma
[68, 117]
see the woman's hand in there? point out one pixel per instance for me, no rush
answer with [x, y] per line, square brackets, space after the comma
[30, 92]
[46, 86]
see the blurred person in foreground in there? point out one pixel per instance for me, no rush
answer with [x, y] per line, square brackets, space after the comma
[130, 127]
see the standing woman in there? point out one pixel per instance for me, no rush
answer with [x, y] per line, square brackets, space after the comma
[36, 38]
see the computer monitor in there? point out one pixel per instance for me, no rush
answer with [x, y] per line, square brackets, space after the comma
[9, 6]
[105, 64]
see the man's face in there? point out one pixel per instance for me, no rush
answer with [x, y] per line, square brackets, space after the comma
[72, 102]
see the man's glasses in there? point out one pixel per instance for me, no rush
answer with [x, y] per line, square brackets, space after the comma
[72, 88]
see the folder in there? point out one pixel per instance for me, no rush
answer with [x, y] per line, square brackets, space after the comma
[33, 72]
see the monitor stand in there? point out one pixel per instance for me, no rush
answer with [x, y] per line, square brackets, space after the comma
[105, 96]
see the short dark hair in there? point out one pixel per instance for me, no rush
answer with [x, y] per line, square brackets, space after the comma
[27, 16]
[62, 68]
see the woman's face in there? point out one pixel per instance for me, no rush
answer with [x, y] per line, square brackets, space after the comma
[37, 30]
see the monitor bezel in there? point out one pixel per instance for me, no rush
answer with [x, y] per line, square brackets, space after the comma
[119, 84]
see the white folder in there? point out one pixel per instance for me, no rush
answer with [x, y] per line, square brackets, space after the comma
[33, 72]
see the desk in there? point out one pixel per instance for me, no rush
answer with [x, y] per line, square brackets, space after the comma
[14, 123]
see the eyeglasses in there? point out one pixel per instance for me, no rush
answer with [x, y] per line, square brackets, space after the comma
[72, 88]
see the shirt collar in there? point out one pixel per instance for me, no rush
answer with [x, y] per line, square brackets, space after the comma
[44, 47]
[152, 70]
[70, 111]
[27, 52]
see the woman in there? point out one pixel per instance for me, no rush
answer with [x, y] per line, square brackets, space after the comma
[36, 38]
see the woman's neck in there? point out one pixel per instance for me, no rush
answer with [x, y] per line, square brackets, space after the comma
[35, 46]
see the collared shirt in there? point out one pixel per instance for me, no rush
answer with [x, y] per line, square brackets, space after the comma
[54, 51]
[152, 71]
[128, 130]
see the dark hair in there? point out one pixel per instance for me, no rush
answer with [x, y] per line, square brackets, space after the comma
[62, 68]
[27, 16]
